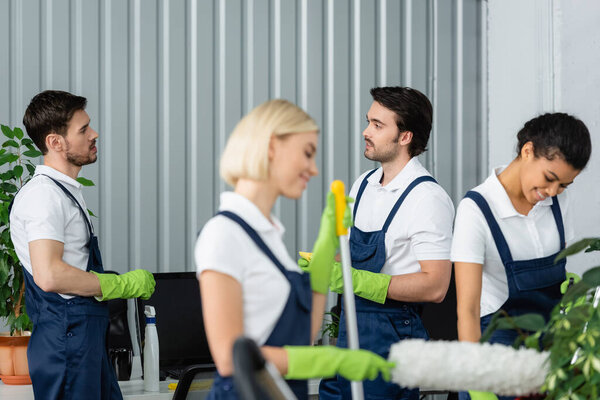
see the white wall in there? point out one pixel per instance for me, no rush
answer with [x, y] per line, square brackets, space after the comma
[543, 57]
[579, 91]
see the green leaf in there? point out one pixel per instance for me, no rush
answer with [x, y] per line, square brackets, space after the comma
[575, 248]
[8, 158]
[91, 213]
[32, 153]
[592, 276]
[84, 181]
[576, 291]
[30, 168]
[26, 141]
[594, 246]
[31, 147]
[18, 171]
[18, 133]
[8, 187]
[11, 143]
[3, 217]
[5, 176]
[7, 131]
[491, 328]
[528, 322]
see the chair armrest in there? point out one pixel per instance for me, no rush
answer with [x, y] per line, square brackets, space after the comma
[183, 386]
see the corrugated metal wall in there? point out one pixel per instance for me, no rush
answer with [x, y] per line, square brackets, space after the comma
[166, 82]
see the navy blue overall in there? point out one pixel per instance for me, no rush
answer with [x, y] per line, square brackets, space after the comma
[379, 325]
[293, 326]
[67, 353]
[533, 285]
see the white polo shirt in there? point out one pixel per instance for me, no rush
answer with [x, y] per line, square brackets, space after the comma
[422, 227]
[41, 210]
[534, 235]
[224, 246]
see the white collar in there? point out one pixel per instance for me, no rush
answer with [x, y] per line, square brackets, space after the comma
[250, 213]
[59, 176]
[502, 204]
[412, 170]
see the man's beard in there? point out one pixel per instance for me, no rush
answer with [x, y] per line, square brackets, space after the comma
[80, 160]
[382, 156]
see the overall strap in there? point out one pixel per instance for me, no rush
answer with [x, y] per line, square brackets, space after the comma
[255, 238]
[361, 189]
[399, 202]
[497, 234]
[559, 221]
[70, 195]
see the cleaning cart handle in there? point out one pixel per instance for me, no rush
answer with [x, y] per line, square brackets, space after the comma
[339, 192]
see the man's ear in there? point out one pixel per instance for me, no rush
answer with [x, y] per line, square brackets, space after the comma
[55, 142]
[406, 138]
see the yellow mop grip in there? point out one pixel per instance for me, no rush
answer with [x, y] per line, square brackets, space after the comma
[339, 192]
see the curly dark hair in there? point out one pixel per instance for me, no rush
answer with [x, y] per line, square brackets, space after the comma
[557, 135]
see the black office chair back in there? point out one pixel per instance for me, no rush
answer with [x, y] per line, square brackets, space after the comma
[439, 319]
[254, 378]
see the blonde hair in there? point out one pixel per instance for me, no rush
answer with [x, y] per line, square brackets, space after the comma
[246, 153]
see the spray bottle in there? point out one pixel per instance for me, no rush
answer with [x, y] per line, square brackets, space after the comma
[151, 367]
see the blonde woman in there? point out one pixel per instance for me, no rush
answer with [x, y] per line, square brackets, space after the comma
[249, 284]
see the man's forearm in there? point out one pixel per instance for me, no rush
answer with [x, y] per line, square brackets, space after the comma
[61, 277]
[429, 285]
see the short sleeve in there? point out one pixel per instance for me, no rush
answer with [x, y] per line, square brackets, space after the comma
[220, 248]
[470, 235]
[42, 213]
[430, 231]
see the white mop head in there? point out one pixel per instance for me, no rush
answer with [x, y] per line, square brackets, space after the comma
[459, 366]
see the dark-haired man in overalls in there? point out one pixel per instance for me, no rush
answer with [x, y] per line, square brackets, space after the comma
[401, 239]
[55, 242]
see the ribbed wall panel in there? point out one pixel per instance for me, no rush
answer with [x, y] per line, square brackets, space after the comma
[167, 80]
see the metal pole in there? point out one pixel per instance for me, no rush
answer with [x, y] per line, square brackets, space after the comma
[337, 187]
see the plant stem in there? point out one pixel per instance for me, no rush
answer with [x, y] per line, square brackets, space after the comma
[18, 305]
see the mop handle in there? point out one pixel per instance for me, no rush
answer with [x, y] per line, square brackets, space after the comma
[337, 187]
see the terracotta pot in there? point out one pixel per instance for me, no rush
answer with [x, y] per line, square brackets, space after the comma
[13, 359]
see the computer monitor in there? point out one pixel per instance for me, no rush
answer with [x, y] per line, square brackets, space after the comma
[179, 323]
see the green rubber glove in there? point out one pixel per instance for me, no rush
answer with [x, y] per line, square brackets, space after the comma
[132, 284]
[565, 285]
[324, 249]
[305, 362]
[475, 395]
[368, 285]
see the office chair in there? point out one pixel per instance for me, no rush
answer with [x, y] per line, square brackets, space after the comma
[118, 341]
[254, 378]
[439, 320]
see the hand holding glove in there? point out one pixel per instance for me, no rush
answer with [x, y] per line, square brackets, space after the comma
[305, 362]
[368, 285]
[324, 249]
[132, 284]
[326, 245]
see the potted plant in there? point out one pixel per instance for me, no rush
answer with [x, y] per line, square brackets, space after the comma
[331, 327]
[571, 336]
[16, 154]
